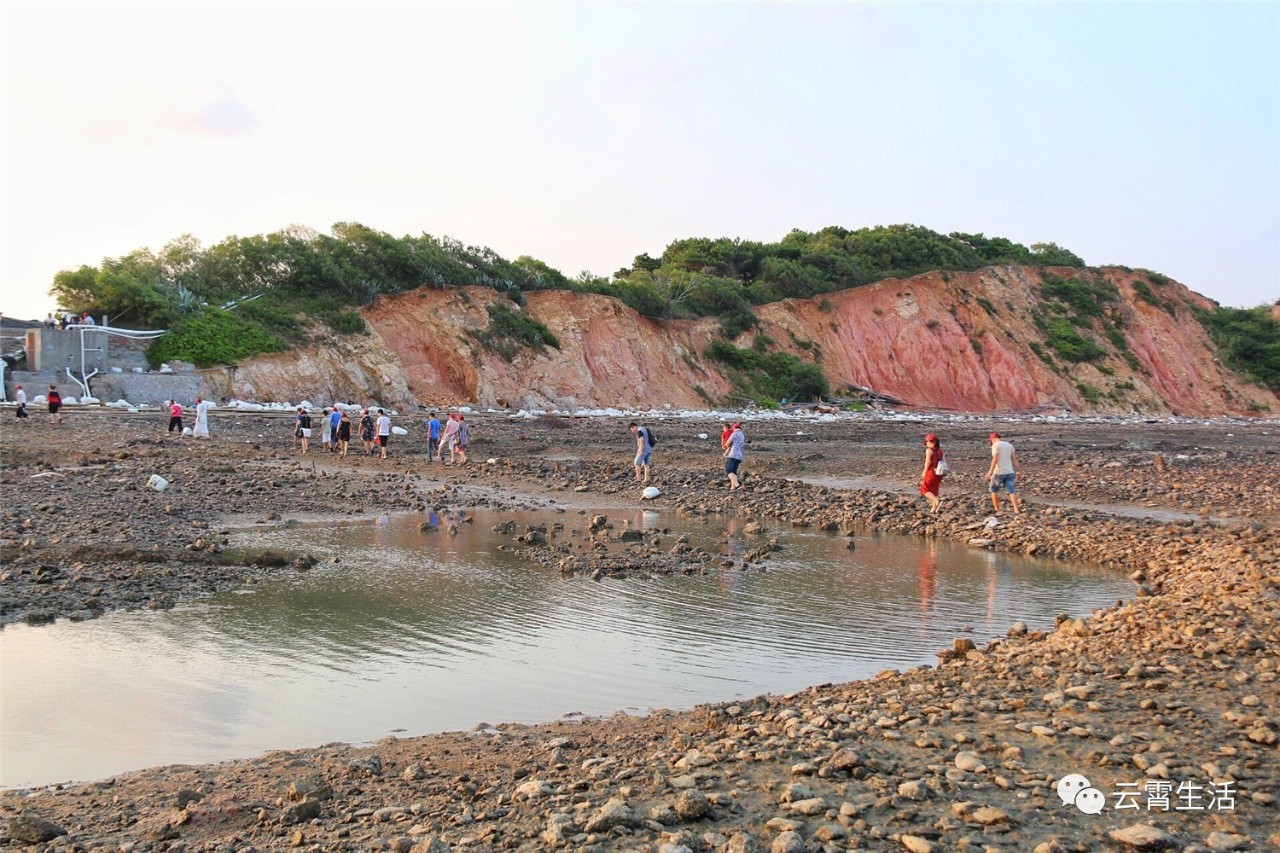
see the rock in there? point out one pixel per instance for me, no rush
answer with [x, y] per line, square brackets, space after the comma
[301, 812]
[787, 842]
[811, 806]
[969, 761]
[30, 829]
[989, 815]
[912, 790]
[916, 844]
[1143, 836]
[844, 760]
[432, 844]
[371, 766]
[693, 805]
[533, 789]
[314, 788]
[1225, 841]
[613, 813]
[415, 772]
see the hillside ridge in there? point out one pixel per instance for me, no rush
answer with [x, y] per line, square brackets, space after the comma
[1000, 338]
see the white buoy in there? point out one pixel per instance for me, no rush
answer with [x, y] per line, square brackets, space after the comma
[650, 493]
[158, 483]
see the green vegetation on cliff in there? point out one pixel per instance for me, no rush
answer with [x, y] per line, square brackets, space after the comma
[299, 279]
[1249, 341]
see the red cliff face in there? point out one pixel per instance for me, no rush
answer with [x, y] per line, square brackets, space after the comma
[962, 341]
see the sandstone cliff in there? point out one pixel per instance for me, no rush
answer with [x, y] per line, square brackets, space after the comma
[965, 341]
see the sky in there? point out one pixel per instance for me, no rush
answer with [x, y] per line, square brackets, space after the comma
[585, 134]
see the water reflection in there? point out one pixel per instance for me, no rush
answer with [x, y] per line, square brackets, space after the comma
[426, 631]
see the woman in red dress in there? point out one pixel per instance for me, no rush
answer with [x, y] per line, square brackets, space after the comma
[931, 480]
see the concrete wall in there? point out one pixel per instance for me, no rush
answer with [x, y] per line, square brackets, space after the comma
[53, 350]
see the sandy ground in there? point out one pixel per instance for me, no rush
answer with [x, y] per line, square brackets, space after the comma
[1176, 687]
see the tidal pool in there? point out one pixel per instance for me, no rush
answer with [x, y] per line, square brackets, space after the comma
[410, 633]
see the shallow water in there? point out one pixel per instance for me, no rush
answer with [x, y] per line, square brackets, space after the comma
[413, 633]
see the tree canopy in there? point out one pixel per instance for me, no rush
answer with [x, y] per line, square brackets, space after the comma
[269, 281]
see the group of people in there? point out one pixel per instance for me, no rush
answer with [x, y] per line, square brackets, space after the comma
[52, 398]
[732, 444]
[64, 320]
[453, 436]
[1002, 473]
[201, 410]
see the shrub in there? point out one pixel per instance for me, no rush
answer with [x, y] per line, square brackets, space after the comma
[1091, 395]
[987, 306]
[769, 377]
[1067, 342]
[1249, 341]
[210, 337]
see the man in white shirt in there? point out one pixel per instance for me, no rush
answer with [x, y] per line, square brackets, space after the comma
[384, 431]
[20, 397]
[1003, 472]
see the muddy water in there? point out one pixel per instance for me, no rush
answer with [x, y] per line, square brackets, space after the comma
[412, 632]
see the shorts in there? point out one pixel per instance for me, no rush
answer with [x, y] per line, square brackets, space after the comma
[1009, 481]
[731, 465]
[643, 458]
[304, 432]
[384, 440]
[53, 408]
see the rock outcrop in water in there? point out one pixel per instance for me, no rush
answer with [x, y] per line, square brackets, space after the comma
[968, 341]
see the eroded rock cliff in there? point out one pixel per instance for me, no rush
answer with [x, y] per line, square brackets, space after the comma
[973, 341]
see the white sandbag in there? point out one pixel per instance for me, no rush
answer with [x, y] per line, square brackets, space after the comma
[399, 431]
[158, 483]
[649, 493]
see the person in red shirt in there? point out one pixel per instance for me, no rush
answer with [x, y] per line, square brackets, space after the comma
[55, 403]
[175, 417]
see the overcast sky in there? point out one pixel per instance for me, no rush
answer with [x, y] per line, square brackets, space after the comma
[585, 134]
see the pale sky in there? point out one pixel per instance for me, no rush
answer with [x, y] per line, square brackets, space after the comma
[584, 134]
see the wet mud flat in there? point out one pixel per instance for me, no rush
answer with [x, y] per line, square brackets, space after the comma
[1176, 685]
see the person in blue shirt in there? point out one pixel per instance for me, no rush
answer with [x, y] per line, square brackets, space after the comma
[644, 451]
[433, 436]
[335, 418]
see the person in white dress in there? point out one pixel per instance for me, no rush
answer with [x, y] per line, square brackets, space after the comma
[202, 418]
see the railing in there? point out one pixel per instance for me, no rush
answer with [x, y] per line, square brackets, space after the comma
[132, 334]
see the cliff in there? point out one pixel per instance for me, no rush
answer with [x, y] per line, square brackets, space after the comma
[969, 341]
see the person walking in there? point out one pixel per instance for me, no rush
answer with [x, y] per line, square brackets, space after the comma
[384, 432]
[20, 397]
[175, 417]
[1003, 472]
[733, 454]
[433, 437]
[335, 418]
[449, 438]
[931, 477]
[644, 451]
[464, 437]
[344, 434]
[366, 431]
[54, 401]
[326, 431]
[201, 429]
[302, 427]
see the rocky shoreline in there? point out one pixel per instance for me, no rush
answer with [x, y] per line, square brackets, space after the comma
[1177, 686]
